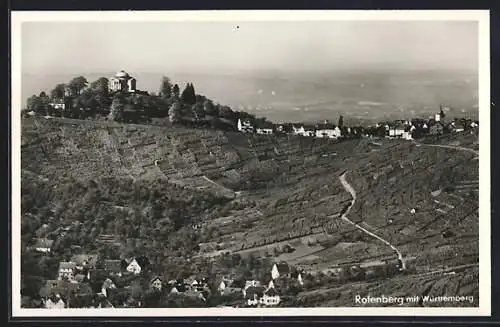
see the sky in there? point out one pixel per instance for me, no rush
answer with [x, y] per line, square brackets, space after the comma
[90, 47]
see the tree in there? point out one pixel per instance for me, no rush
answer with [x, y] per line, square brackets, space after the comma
[166, 88]
[58, 91]
[198, 110]
[34, 103]
[209, 108]
[176, 91]
[117, 107]
[341, 121]
[174, 113]
[77, 85]
[100, 86]
[188, 96]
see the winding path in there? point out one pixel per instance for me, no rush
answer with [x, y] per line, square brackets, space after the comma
[351, 190]
[460, 148]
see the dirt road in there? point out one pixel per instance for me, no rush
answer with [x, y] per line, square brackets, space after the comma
[351, 190]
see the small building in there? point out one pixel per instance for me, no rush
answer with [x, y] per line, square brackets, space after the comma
[328, 131]
[85, 261]
[156, 284]
[270, 297]
[245, 126]
[254, 294]
[43, 245]
[248, 284]
[266, 131]
[58, 104]
[113, 267]
[122, 82]
[396, 131]
[280, 270]
[66, 270]
[134, 267]
[55, 302]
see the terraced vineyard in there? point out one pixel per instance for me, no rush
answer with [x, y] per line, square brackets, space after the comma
[284, 193]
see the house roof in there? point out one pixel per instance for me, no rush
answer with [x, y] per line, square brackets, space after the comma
[283, 268]
[155, 278]
[271, 292]
[113, 265]
[43, 243]
[66, 265]
[79, 259]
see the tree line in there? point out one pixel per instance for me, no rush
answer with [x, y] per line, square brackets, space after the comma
[83, 100]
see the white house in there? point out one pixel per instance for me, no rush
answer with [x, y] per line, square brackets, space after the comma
[134, 267]
[66, 270]
[270, 297]
[396, 131]
[264, 131]
[254, 295]
[299, 130]
[245, 126]
[407, 135]
[58, 104]
[43, 245]
[156, 283]
[55, 303]
[332, 133]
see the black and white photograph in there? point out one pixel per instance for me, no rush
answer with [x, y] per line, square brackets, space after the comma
[250, 163]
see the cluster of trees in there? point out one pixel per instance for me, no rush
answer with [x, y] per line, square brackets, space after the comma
[152, 219]
[82, 100]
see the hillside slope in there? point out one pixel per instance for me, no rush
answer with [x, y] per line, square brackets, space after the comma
[257, 195]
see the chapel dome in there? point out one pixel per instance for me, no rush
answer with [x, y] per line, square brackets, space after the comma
[122, 74]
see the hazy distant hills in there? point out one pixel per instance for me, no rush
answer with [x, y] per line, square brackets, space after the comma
[312, 96]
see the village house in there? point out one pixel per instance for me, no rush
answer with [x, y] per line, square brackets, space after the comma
[66, 270]
[254, 294]
[84, 261]
[396, 130]
[43, 245]
[266, 131]
[280, 270]
[134, 267]
[55, 302]
[328, 131]
[304, 131]
[52, 287]
[58, 104]
[113, 267]
[156, 284]
[245, 126]
[270, 297]
[248, 284]
[137, 264]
